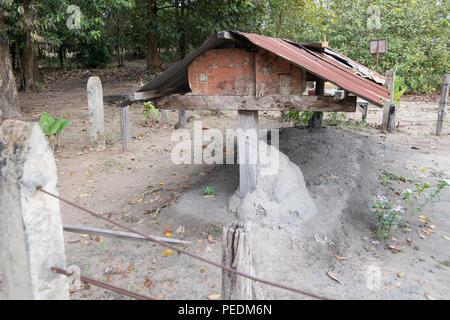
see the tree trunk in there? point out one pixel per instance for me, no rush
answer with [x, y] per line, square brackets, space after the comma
[61, 55]
[28, 62]
[119, 40]
[9, 100]
[180, 26]
[152, 37]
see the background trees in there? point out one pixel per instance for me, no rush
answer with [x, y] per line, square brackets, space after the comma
[162, 31]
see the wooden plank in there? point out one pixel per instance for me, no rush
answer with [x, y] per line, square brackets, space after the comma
[442, 111]
[265, 103]
[237, 255]
[117, 234]
[247, 150]
[125, 128]
[390, 75]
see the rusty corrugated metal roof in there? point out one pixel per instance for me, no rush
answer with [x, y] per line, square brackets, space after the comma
[325, 63]
[356, 79]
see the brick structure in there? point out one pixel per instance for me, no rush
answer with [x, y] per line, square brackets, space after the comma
[232, 72]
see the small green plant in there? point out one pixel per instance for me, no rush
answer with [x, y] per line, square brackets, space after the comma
[336, 118]
[389, 175]
[214, 230]
[52, 127]
[209, 191]
[388, 214]
[422, 190]
[298, 118]
[149, 109]
[399, 89]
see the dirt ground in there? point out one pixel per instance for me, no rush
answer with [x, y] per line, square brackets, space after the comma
[343, 167]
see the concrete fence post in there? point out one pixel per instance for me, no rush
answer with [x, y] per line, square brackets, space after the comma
[96, 113]
[31, 234]
[165, 116]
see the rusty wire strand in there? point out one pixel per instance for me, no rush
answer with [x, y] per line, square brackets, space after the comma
[104, 285]
[183, 251]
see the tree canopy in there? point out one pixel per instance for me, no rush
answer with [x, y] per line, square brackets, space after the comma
[101, 32]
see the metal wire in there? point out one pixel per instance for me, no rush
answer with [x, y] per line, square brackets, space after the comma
[182, 251]
[104, 285]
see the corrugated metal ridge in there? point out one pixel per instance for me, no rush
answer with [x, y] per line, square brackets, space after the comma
[321, 67]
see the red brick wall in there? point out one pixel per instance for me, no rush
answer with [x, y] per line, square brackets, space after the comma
[225, 72]
[231, 72]
[275, 75]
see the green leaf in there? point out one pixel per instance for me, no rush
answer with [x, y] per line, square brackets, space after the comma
[45, 121]
[62, 126]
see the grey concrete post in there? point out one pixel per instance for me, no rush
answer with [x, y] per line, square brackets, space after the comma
[31, 234]
[96, 113]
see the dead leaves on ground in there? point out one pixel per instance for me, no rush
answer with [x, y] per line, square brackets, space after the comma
[334, 277]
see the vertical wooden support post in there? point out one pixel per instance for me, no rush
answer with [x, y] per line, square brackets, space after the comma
[125, 128]
[364, 107]
[389, 114]
[165, 116]
[181, 119]
[247, 150]
[96, 113]
[31, 234]
[442, 111]
[236, 254]
[316, 120]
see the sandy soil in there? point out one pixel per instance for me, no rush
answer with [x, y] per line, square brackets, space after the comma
[342, 166]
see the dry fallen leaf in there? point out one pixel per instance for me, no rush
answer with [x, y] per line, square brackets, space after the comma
[421, 236]
[396, 284]
[147, 283]
[180, 229]
[335, 278]
[213, 296]
[421, 282]
[167, 253]
[208, 249]
[202, 271]
[211, 239]
[429, 297]
[339, 257]
[110, 278]
[159, 296]
[423, 218]
[167, 234]
[408, 239]
[446, 238]
[400, 274]
[131, 267]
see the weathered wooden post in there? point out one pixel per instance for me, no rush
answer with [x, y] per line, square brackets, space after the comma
[125, 128]
[442, 111]
[96, 113]
[316, 120]
[247, 150]
[236, 254]
[389, 109]
[31, 234]
[181, 119]
[164, 116]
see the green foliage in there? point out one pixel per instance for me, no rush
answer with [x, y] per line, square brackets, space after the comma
[93, 55]
[52, 127]
[150, 109]
[209, 191]
[214, 230]
[388, 215]
[336, 118]
[424, 193]
[298, 118]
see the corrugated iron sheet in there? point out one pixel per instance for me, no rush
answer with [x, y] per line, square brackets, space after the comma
[323, 62]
